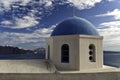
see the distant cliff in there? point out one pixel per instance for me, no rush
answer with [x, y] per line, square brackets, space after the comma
[111, 51]
[16, 50]
[13, 50]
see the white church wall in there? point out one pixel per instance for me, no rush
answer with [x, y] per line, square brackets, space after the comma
[49, 42]
[73, 42]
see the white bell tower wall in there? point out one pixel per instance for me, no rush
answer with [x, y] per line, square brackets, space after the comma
[91, 52]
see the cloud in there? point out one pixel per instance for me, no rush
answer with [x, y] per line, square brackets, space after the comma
[80, 4]
[37, 37]
[111, 33]
[110, 0]
[6, 22]
[25, 22]
[115, 13]
[111, 30]
[47, 3]
[19, 23]
[111, 24]
[22, 16]
[6, 4]
[84, 4]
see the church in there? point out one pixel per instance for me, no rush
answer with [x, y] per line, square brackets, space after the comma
[75, 45]
[74, 51]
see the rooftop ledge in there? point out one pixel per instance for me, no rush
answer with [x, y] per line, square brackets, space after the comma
[42, 66]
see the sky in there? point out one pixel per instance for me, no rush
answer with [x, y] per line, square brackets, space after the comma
[27, 23]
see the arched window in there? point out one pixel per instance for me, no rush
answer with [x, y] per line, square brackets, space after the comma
[92, 52]
[65, 53]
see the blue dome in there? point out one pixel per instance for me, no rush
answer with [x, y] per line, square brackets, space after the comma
[75, 26]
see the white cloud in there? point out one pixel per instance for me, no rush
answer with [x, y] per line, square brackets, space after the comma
[24, 2]
[111, 33]
[80, 4]
[115, 13]
[24, 22]
[47, 3]
[11, 38]
[6, 4]
[110, 0]
[113, 0]
[111, 24]
[111, 30]
[6, 22]
[83, 4]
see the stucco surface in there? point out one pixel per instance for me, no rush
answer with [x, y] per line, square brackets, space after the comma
[25, 66]
[57, 76]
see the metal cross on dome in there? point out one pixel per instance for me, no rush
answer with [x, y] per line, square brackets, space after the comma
[74, 12]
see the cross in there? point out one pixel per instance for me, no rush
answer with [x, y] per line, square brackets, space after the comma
[74, 12]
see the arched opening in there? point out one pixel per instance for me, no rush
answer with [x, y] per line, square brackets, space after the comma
[48, 55]
[92, 53]
[65, 53]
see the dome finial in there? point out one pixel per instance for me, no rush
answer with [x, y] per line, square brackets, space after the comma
[74, 12]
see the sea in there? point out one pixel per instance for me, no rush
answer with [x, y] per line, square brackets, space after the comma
[111, 59]
[22, 56]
